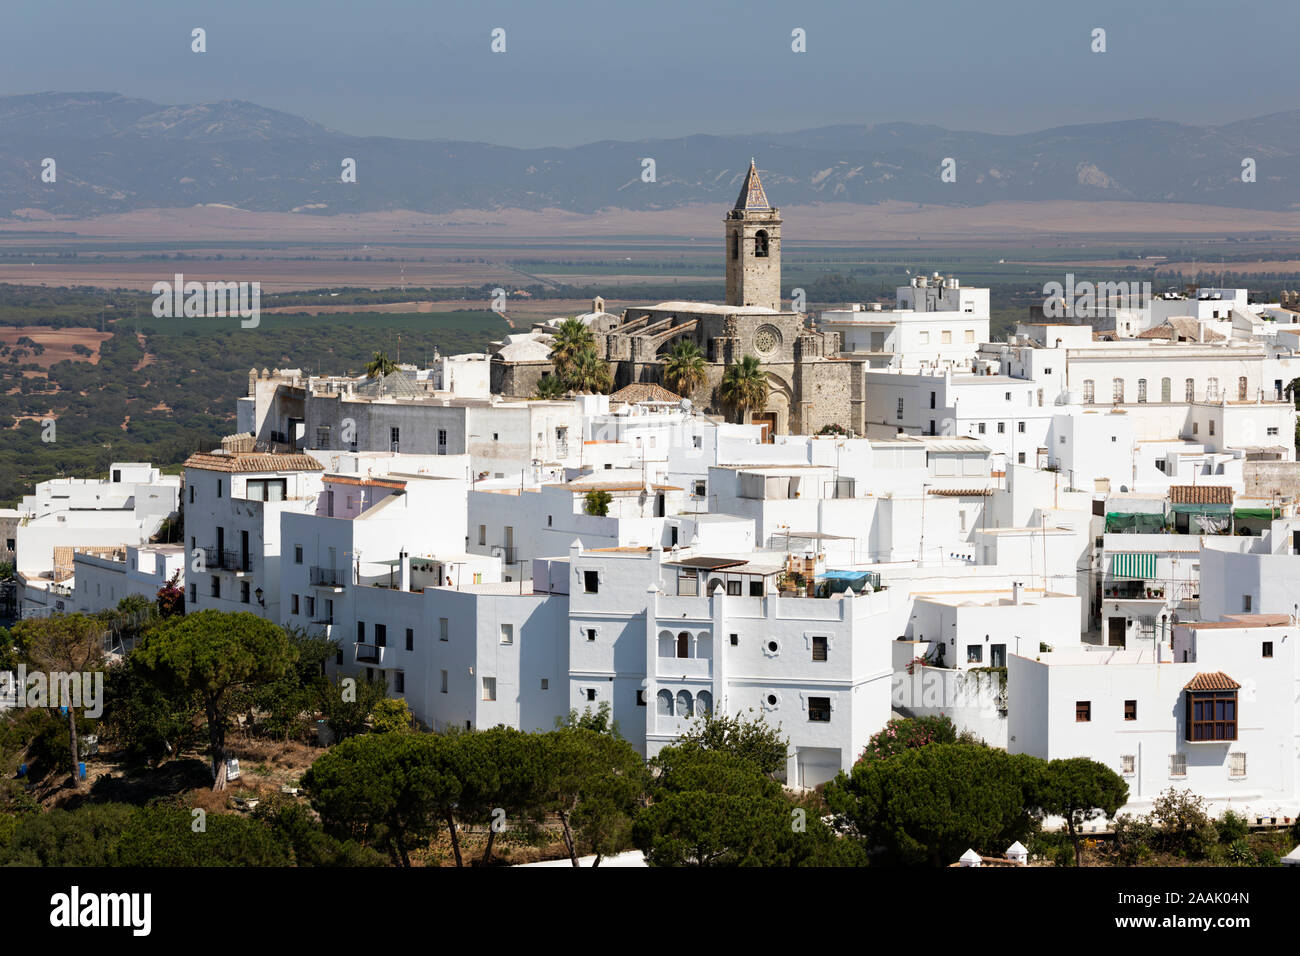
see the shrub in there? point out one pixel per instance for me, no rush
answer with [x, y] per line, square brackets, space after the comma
[1133, 838]
[1232, 827]
[908, 733]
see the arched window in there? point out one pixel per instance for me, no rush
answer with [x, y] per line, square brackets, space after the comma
[760, 244]
[1089, 391]
[683, 644]
[703, 644]
[1242, 388]
[1212, 390]
[1142, 390]
[1191, 390]
[666, 644]
[1166, 390]
[704, 703]
[685, 706]
[1117, 391]
[665, 706]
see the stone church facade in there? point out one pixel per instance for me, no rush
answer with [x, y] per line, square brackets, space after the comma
[809, 384]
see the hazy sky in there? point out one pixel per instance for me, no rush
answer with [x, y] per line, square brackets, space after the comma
[575, 71]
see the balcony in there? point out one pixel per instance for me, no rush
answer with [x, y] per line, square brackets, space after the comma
[221, 560]
[370, 654]
[679, 667]
[332, 578]
[1134, 591]
[509, 555]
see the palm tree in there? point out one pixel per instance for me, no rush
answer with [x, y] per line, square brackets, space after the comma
[550, 386]
[744, 386]
[380, 365]
[588, 372]
[684, 367]
[569, 339]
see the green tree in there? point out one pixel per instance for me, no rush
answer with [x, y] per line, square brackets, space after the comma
[569, 338]
[380, 365]
[391, 715]
[684, 367]
[551, 387]
[279, 707]
[346, 703]
[67, 644]
[597, 503]
[744, 386]
[588, 372]
[388, 789]
[213, 655]
[908, 733]
[1078, 789]
[932, 803]
[594, 780]
[751, 739]
[149, 722]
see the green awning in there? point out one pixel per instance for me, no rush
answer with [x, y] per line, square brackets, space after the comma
[1121, 522]
[1202, 509]
[1266, 513]
[1133, 565]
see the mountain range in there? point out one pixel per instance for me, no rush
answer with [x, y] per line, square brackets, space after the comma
[117, 154]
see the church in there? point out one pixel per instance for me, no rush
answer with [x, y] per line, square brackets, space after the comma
[810, 385]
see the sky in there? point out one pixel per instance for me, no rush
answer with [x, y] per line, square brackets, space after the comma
[580, 71]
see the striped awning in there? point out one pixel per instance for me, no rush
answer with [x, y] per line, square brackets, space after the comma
[1133, 565]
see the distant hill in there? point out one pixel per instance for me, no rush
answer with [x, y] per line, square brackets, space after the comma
[117, 154]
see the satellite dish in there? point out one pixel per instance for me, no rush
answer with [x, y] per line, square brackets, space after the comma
[686, 404]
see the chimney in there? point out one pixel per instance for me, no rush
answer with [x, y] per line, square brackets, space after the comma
[1017, 592]
[404, 569]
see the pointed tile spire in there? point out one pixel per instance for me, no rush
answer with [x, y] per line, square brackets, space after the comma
[751, 191]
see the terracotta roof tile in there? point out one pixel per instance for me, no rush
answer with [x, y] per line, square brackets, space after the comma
[250, 462]
[1200, 494]
[644, 392]
[1215, 680]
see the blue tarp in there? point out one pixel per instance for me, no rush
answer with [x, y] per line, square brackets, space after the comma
[834, 582]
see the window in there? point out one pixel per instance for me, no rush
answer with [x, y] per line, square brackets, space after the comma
[297, 554]
[969, 336]
[1117, 391]
[735, 642]
[590, 632]
[218, 487]
[1142, 390]
[1082, 711]
[923, 338]
[309, 606]
[900, 408]
[1236, 765]
[1211, 426]
[1020, 455]
[1166, 389]
[361, 632]
[293, 604]
[216, 586]
[980, 428]
[194, 594]
[1130, 710]
[591, 693]
[489, 688]
[1040, 398]
[482, 534]
[1272, 432]
[591, 582]
[381, 635]
[399, 682]
[1020, 427]
[1242, 389]
[640, 698]
[410, 639]
[243, 592]
[819, 648]
[1245, 603]
[756, 587]
[1196, 427]
[700, 489]
[338, 657]
[1002, 428]
[1267, 649]
[266, 489]
[1212, 390]
[1089, 391]
[932, 399]
[394, 437]
[1160, 465]
[1178, 765]
[1211, 715]
[442, 628]
[191, 494]
[507, 633]
[946, 337]
[819, 709]
[1007, 396]
[733, 588]
[1128, 764]
[1189, 395]
[444, 682]
[974, 654]
[546, 683]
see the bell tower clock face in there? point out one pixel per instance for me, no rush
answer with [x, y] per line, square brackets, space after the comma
[766, 340]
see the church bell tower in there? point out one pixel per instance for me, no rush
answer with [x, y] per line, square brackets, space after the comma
[753, 234]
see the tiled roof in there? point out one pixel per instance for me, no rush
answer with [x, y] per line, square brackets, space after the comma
[1215, 680]
[1200, 494]
[252, 462]
[367, 482]
[644, 392]
[752, 195]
